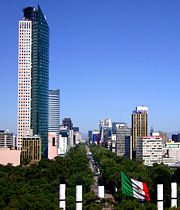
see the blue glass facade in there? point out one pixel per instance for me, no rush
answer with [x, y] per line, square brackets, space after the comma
[40, 75]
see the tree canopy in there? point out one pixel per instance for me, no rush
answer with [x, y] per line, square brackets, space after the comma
[111, 166]
[37, 186]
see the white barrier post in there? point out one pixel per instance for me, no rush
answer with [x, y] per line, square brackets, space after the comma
[62, 193]
[100, 187]
[173, 191]
[79, 194]
[160, 194]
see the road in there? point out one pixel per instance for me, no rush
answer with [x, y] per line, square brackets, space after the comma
[95, 170]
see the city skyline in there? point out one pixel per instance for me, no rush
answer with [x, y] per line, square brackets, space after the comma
[115, 56]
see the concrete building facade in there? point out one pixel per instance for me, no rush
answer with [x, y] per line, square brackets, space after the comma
[6, 139]
[123, 140]
[54, 112]
[31, 149]
[149, 149]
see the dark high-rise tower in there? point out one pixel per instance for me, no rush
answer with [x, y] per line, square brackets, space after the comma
[37, 58]
[67, 122]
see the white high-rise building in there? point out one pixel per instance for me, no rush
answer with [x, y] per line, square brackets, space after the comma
[71, 138]
[53, 112]
[149, 149]
[24, 79]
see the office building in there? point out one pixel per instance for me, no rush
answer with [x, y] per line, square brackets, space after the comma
[71, 138]
[96, 137]
[52, 145]
[53, 112]
[33, 76]
[176, 137]
[123, 141]
[6, 139]
[113, 143]
[149, 149]
[139, 123]
[76, 129]
[14, 144]
[77, 137]
[115, 125]
[67, 122]
[63, 140]
[105, 128]
[31, 149]
[90, 137]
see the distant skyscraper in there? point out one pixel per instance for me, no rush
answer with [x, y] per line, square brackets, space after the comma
[67, 122]
[123, 140]
[89, 136]
[71, 138]
[139, 123]
[176, 137]
[164, 136]
[33, 76]
[105, 128]
[76, 129]
[63, 140]
[53, 112]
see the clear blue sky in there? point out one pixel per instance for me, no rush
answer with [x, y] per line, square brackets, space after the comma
[106, 56]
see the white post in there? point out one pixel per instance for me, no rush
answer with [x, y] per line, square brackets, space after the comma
[160, 194]
[62, 194]
[173, 192]
[101, 191]
[79, 194]
[100, 187]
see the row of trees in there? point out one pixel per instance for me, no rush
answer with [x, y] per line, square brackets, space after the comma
[37, 186]
[111, 167]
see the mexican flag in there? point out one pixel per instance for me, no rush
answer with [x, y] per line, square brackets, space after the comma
[134, 188]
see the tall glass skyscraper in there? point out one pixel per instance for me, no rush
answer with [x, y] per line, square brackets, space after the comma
[33, 76]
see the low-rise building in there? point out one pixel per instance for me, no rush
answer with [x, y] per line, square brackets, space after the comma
[31, 149]
[172, 144]
[11, 156]
[171, 153]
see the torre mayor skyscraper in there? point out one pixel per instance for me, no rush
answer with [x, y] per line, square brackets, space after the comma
[33, 76]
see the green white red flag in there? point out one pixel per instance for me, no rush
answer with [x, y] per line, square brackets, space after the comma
[134, 188]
